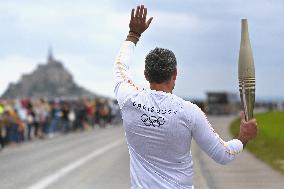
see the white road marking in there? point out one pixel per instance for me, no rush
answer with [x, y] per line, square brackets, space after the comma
[45, 182]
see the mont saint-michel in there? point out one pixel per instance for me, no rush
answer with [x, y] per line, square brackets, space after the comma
[48, 80]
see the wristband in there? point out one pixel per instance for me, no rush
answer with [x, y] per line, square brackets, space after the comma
[134, 36]
[134, 32]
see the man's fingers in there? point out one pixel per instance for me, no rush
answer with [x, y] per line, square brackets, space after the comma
[137, 11]
[144, 14]
[138, 19]
[149, 22]
[132, 13]
[141, 11]
[253, 121]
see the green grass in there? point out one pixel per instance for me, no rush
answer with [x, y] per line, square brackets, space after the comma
[269, 143]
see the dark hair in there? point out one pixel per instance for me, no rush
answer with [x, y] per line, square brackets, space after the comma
[159, 65]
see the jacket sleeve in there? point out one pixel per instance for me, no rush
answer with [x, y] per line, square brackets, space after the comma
[209, 141]
[124, 85]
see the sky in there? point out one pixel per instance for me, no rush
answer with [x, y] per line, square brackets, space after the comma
[204, 35]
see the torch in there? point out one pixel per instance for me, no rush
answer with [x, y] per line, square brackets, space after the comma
[246, 73]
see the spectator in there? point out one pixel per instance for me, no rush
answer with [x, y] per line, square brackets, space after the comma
[104, 113]
[2, 131]
[55, 118]
[26, 119]
[64, 118]
[30, 118]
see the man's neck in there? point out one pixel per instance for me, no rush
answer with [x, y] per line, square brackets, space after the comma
[165, 87]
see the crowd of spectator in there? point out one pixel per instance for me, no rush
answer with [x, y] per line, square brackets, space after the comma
[25, 119]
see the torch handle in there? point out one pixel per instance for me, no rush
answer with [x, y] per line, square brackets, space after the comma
[247, 94]
[243, 96]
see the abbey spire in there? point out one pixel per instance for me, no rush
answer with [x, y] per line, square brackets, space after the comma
[50, 58]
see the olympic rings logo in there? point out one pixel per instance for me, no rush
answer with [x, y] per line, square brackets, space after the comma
[152, 120]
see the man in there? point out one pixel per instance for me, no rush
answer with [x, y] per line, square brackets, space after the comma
[159, 125]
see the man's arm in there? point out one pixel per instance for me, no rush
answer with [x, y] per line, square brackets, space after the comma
[210, 142]
[123, 82]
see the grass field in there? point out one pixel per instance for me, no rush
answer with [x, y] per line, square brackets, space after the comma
[269, 144]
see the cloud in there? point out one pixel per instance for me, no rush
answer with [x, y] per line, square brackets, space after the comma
[86, 36]
[97, 77]
[81, 36]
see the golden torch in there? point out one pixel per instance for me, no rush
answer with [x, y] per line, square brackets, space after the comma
[246, 73]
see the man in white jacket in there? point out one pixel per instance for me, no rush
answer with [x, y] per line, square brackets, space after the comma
[159, 125]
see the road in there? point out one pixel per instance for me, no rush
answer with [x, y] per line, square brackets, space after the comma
[99, 159]
[85, 160]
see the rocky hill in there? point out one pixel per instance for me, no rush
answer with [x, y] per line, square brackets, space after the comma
[49, 80]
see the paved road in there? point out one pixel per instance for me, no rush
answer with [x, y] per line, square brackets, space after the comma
[87, 160]
[99, 159]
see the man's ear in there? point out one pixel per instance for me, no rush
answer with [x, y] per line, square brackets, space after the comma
[175, 74]
[146, 75]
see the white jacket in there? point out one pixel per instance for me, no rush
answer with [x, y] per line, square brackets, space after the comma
[159, 127]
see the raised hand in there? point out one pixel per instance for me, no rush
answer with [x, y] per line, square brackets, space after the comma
[138, 23]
